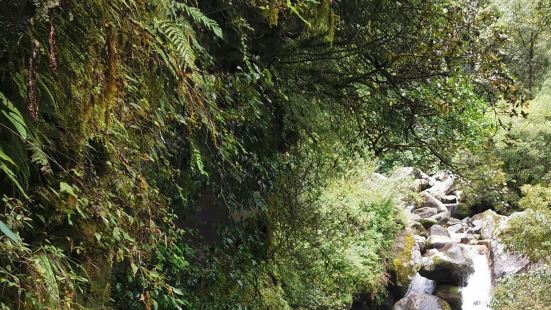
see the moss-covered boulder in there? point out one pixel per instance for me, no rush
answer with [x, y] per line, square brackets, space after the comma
[451, 294]
[405, 261]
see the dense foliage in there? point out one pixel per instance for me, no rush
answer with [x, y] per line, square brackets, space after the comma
[218, 154]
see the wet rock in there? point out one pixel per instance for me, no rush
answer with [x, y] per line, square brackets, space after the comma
[420, 284]
[450, 266]
[451, 294]
[425, 212]
[421, 302]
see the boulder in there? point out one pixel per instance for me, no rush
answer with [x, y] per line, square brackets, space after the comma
[425, 212]
[413, 217]
[438, 242]
[451, 294]
[405, 262]
[419, 229]
[449, 199]
[438, 230]
[456, 229]
[427, 223]
[441, 218]
[420, 240]
[431, 201]
[419, 185]
[476, 226]
[430, 252]
[450, 266]
[440, 188]
[420, 301]
[441, 176]
[454, 221]
[404, 172]
[504, 263]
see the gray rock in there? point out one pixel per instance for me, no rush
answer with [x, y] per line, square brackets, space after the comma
[425, 212]
[451, 294]
[430, 252]
[419, 301]
[427, 223]
[457, 228]
[404, 172]
[420, 241]
[438, 230]
[449, 199]
[419, 229]
[504, 263]
[431, 201]
[451, 266]
[476, 226]
[413, 216]
[440, 188]
[438, 242]
[454, 221]
[419, 185]
[441, 218]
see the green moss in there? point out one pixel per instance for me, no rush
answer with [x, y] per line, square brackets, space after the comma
[401, 264]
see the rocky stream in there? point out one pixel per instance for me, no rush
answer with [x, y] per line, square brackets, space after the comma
[446, 261]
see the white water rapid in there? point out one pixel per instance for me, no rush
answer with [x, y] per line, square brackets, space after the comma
[420, 285]
[476, 295]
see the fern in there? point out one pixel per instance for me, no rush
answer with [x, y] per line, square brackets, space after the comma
[14, 117]
[180, 37]
[199, 18]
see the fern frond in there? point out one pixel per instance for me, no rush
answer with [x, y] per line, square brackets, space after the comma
[178, 35]
[200, 18]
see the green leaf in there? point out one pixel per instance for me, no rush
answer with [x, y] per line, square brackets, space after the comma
[14, 116]
[66, 188]
[13, 178]
[10, 234]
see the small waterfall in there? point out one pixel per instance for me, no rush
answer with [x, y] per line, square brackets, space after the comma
[476, 295]
[420, 284]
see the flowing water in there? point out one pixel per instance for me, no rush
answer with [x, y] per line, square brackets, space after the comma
[421, 284]
[476, 295]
